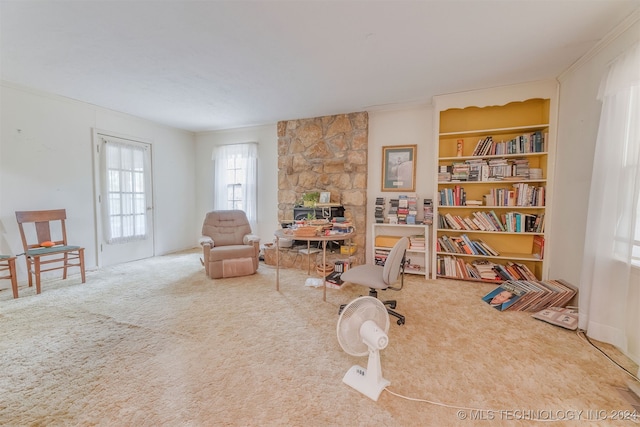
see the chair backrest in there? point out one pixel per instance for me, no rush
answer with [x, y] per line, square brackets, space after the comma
[392, 265]
[226, 227]
[43, 222]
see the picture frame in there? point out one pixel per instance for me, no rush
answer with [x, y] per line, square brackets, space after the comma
[325, 197]
[399, 168]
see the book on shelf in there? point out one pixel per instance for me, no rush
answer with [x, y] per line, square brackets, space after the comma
[464, 245]
[531, 295]
[417, 242]
[538, 247]
[483, 147]
[485, 269]
[444, 176]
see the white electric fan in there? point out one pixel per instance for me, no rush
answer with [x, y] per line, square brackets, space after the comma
[362, 328]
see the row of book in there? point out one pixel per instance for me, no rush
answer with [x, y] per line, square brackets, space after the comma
[533, 142]
[520, 194]
[403, 210]
[481, 269]
[488, 170]
[464, 245]
[530, 295]
[512, 222]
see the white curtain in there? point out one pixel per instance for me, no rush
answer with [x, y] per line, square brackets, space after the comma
[124, 178]
[247, 154]
[611, 218]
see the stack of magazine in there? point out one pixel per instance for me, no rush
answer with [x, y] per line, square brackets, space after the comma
[530, 295]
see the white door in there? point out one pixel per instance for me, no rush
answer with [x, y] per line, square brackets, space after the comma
[124, 202]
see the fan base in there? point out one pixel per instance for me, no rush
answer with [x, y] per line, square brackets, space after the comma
[370, 385]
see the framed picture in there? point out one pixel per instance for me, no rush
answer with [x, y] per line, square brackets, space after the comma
[325, 197]
[399, 168]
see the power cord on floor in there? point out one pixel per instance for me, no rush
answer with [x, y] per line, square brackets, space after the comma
[488, 414]
[465, 412]
[583, 335]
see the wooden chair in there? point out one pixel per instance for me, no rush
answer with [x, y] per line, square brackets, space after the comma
[37, 255]
[8, 263]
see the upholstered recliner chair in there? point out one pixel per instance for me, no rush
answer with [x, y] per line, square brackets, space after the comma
[229, 247]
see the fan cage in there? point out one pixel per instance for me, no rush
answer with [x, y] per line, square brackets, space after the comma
[351, 319]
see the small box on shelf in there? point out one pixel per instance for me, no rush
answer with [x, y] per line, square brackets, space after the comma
[349, 249]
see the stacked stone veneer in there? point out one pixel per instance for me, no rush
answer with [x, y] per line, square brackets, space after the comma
[326, 154]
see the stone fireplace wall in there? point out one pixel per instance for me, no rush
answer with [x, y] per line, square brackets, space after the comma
[326, 154]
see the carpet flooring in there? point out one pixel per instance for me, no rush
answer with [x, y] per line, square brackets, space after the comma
[156, 343]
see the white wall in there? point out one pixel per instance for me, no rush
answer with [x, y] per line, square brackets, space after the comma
[393, 127]
[46, 162]
[579, 115]
[412, 126]
[267, 139]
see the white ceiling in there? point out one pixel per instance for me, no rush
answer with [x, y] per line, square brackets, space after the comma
[208, 65]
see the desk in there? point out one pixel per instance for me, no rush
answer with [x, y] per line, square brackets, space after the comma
[324, 239]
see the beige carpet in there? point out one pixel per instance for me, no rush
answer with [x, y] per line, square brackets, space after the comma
[155, 343]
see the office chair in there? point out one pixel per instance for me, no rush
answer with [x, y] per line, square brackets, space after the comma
[377, 277]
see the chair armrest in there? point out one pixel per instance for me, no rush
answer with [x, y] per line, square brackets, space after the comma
[206, 240]
[251, 239]
[207, 244]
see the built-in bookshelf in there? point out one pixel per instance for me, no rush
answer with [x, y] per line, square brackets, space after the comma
[494, 183]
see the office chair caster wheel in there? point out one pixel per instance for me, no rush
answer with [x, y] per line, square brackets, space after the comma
[400, 322]
[392, 305]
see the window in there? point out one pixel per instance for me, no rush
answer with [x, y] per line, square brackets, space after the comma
[125, 195]
[631, 177]
[236, 181]
[616, 173]
[236, 178]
